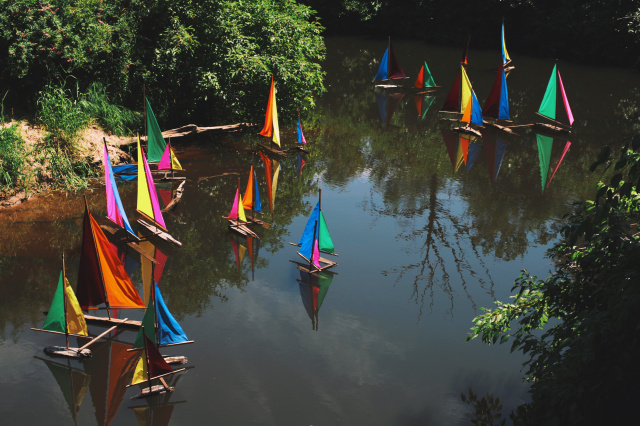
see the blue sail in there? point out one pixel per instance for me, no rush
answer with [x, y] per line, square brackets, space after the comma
[169, 331]
[476, 111]
[382, 70]
[503, 112]
[257, 206]
[306, 242]
[381, 100]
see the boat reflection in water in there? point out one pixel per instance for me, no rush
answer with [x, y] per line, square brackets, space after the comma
[545, 145]
[313, 290]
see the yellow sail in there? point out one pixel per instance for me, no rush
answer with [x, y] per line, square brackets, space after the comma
[276, 127]
[147, 269]
[75, 319]
[241, 215]
[144, 198]
[465, 97]
[175, 164]
[140, 374]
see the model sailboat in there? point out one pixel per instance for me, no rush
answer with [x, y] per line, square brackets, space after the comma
[156, 144]
[102, 278]
[271, 128]
[389, 68]
[424, 82]
[387, 105]
[495, 149]
[555, 105]
[506, 60]
[462, 100]
[148, 204]
[496, 107]
[65, 317]
[115, 210]
[316, 239]
[152, 366]
[160, 327]
[237, 217]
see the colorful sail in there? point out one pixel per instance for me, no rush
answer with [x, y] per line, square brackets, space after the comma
[169, 161]
[101, 273]
[494, 148]
[424, 79]
[300, 164]
[451, 141]
[301, 138]
[555, 169]
[115, 211]
[423, 101]
[497, 104]
[151, 365]
[155, 142]
[545, 143]
[389, 66]
[64, 301]
[552, 104]
[158, 320]
[464, 59]
[247, 199]
[505, 55]
[474, 150]
[463, 150]
[452, 102]
[469, 105]
[271, 128]
[147, 196]
[313, 290]
[311, 244]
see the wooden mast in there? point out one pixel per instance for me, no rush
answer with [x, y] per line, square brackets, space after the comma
[64, 302]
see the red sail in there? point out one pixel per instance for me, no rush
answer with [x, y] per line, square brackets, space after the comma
[89, 290]
[452, 103]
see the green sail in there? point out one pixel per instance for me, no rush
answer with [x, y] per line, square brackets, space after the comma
[324, 239]
[544, 154]
[55, 320]
[155, 141]
[148, 325]
[548, 105]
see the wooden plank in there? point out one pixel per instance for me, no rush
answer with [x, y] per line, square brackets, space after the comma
[321, 251]
[242, 229]
[552, 128]
[173, 360]
[162, 375]
[58, 332]
[329, 264]
[272, 150]
[174, 201]
[107, 322]
[468, 130]
[158, 232]
[305, 268]
[499, 127]
[153, 391]
[192, 129]
[131, 244]
[561, 125]
[95, 339]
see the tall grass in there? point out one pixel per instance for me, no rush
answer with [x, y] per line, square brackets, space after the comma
[110, 117]
[61, 115]
[12, 156]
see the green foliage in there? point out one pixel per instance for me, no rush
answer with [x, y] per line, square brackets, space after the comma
[60, 113]
[208, 60]
[112, 118]
[61, 169]
[579, 327]
[12, 156]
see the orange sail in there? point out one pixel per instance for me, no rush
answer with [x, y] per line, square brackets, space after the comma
[271, 128]
[247, 200]
[102, 277]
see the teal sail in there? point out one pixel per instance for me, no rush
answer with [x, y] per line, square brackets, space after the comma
[548, 105]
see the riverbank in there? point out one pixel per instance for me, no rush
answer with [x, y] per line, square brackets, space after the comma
[37, 174]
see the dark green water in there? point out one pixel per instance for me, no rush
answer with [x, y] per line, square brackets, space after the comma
[422, 247]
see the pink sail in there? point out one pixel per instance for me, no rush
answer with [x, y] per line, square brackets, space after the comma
[112, 209]
[165, 160]
[315, 257]
[157, 213]
[565, 100]
[233, 214]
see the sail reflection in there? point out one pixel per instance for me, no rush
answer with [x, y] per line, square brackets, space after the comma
[423, 103]
[545, 145]
[73, 383]
[313, 290]
[387, 105]
[494, 148]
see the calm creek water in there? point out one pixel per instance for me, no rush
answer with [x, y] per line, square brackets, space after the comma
[422, 248]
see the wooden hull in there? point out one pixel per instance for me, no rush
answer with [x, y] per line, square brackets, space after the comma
[468, 130]
[500, 127]
[242, 229]
[272, 151]
[62, 351]
[154, 390]
[158, 232]
[174, 201]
